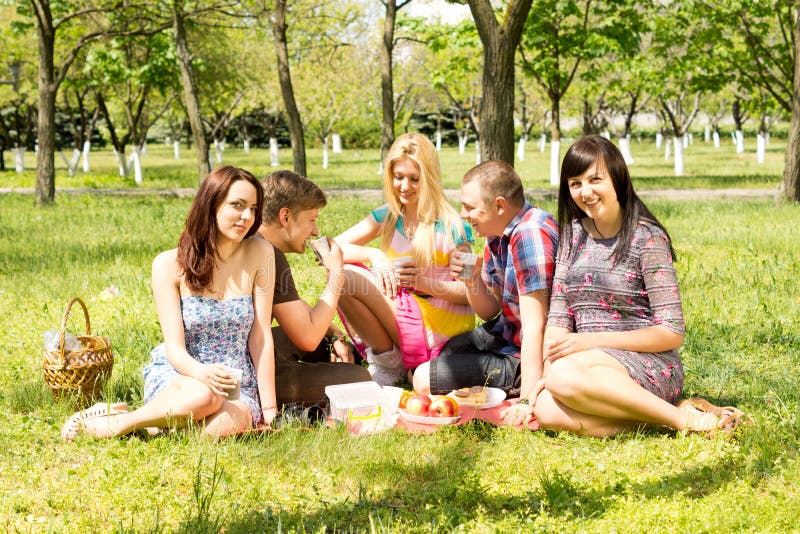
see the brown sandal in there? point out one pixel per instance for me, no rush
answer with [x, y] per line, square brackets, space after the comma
[728, 417]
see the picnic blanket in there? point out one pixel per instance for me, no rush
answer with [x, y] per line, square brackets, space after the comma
[490, 415]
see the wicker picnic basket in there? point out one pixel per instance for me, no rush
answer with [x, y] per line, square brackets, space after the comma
[80, 372]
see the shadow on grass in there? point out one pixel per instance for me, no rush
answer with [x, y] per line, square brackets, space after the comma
[445, 490]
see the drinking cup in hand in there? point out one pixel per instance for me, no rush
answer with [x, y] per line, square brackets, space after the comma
[468, 259]
[236, 374]
[401, 261]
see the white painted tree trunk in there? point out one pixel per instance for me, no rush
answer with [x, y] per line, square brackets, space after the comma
[659, 140]
[122, 163]
[336, 143]
[542, 142]
[521, 149]
[325, 153]
[733, 137]
[143, 150]
[246, 144]
[477, 153]
[462, 143]
[766, 138]
[686, 141]
[380, 169]
[667, 146]
[707, 134]
[555, 162]
[19, 159]
[715, 137]
[606, 135]
[625, 148]
[72, 165]
[87, 147]
[438, 140]
[679, 157]
[273, 152]
[137, 166]
[219, 148]
[761, 148]
[739, 142]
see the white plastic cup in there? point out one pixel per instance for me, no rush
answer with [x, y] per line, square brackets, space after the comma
[469, 260]
[236, 374]
[401, 261]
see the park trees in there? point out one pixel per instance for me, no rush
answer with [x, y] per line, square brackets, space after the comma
[391, 7]
[500, 39]
[135, 79]
[455, 72]
[560, 36]
[760, 42]
[72, 27]
[17, 97]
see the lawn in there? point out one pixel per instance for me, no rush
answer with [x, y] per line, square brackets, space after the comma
[738, 267]
[705, 165]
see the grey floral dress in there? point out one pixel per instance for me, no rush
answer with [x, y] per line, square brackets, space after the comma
[592, 292]
[216, 331]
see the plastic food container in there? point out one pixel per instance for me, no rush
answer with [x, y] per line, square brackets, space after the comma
[362, 399]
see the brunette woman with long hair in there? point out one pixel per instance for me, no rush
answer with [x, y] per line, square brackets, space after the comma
[213, 297]
[615, 322]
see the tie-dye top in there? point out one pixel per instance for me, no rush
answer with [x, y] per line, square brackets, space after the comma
[442, 319]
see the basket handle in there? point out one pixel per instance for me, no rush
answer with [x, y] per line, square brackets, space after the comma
[64, 325]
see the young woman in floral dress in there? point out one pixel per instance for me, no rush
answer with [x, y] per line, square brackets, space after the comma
[615, 322]
[213, 296]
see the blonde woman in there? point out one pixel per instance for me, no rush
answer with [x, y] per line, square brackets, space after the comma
[405, 312]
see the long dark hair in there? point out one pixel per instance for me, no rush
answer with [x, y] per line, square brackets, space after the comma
[197, 247]
[580, 156]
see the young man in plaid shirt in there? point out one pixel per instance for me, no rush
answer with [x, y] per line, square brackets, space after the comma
[511, 292]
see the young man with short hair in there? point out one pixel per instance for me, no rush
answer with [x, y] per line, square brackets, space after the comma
[306, 340]
[511, 292]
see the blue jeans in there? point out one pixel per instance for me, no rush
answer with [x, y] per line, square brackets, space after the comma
[476, 358]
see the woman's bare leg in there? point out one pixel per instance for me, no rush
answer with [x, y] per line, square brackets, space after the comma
[184, 400]
[368, 311]
[591, 393]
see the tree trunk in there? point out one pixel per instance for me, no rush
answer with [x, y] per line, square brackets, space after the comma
[285, 78]
[190, 96]
[45, 191]
[500, 42]
[790, 186]
[555, 140]
[387, 82]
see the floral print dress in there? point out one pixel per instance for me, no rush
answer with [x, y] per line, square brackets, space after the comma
[592, 292]
[216, 331]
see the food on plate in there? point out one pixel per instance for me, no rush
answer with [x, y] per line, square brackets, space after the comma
[418, 404]
[443, 407]
[473, 395]
[404, 396]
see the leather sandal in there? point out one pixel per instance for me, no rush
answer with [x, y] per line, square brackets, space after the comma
[727, 417]
[73, 424]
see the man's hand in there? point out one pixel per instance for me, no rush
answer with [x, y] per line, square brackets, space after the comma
[341, 351]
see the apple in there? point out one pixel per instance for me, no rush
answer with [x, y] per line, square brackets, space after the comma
[443, 407]
[404, 396]
[418, 404]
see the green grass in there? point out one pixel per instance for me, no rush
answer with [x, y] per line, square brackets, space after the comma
[706, 167]
[738, 266]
